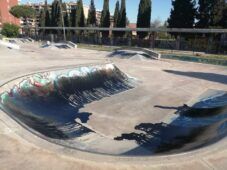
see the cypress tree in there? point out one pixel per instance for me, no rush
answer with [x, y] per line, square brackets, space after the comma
[56, 18]
[92, 15]
[217, 10]
[224, 19]
[47, 17]
[66, 17]
[122, 19]
[73, 17]
[116, 13]
[105, 18]
[42, 21]
[203, 14]
[80, 18]
[116, 17]
[144, 17]
[53, 13]
[182, 14]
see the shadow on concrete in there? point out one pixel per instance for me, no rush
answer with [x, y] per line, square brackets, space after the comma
[192, 129]
[172, 107]
[128, 54]
[218, 78]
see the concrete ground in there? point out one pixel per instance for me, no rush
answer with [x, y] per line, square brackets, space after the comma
[165, 83]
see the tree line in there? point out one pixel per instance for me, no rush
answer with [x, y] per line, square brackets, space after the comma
[184, 14]
[205, 14]
[58, 16]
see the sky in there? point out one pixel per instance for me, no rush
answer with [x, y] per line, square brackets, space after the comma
[160, 8]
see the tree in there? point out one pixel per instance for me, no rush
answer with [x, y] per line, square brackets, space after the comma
[91, 21]
[203, 14]
[157, 23]
[10, 30]
[116, 17]
[224, 19]
[42, 21]
[182, 14]
[105, 18]
[144, 17]
[80, 18]
[23, 11]
[47, 17]
[66, 17]
[56, 15]
[116, 13]
[122, 19]
[73, 19]
[217, 9]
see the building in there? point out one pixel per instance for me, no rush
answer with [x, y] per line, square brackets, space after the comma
[69, 5]
[133, 26]
[5, 16]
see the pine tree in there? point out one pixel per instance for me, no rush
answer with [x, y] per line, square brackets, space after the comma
[203, 14]
[105, 18]
[80, 18]
[182, 14]
[217, 9]
[91, 21]
[122, 19]
[144, 16]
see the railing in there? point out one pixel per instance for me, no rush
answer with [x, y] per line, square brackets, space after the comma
[202, 40]
[170, 30]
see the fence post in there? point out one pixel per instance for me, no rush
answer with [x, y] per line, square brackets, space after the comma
[99, 38]
[130, 39]
[178, 42]
[152, 40]
[210, 40]
[111, 40]
[52, 38]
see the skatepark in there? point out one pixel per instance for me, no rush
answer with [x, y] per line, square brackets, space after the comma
[85, 109]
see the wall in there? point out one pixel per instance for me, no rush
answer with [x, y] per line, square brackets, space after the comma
[5, 16]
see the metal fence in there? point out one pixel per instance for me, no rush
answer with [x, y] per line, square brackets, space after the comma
[201, 40]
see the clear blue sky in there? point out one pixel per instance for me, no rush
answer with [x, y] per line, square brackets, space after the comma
[160, 8]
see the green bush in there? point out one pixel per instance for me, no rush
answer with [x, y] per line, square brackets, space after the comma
[10, 30]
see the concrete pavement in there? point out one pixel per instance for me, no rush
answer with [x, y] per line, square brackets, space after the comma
[164, 82]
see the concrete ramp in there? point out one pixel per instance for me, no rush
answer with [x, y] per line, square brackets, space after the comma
[60, 45]
[9, 45]
[135, 53]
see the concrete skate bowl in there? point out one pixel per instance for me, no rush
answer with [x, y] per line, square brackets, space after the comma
[49, 105]
[135, 53]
